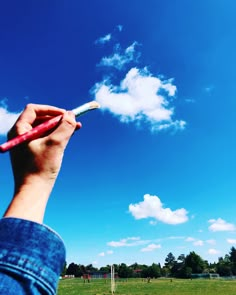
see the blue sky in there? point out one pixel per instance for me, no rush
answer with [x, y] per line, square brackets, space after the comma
[152, 171]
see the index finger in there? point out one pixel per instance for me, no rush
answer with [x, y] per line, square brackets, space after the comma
[32, 111]
[30, 114]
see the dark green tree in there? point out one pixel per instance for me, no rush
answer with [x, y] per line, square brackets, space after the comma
[232, 255]
[73, 269]
[154, 271]
[170, 260]
[195, 262]
[124, 271]
[105, 269]
[63, 273]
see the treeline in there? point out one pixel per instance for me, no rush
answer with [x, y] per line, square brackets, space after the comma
[182, 267]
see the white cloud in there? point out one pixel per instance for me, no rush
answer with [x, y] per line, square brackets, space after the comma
[213, 251]
[220, 225]
[7, 120]
[119, 58]
[127, 242]
[119, 27]
[140, 97]
[211, 242]
[175, 238]
[103, 40]
[190, 239]
[198, 243]
[231, 241]
[152, 207]
[109, 252]
[108, 37]
[151, 248]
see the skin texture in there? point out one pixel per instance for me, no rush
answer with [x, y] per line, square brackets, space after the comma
[36, 164]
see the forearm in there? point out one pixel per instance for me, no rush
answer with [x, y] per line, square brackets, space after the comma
[30, 199]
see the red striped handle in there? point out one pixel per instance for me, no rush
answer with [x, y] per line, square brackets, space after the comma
[34, 133]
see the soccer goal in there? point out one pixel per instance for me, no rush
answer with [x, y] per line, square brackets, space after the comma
[113, 282]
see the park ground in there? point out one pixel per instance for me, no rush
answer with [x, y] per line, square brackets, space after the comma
[77, 286]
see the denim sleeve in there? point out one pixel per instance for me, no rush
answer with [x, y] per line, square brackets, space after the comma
[31, 258]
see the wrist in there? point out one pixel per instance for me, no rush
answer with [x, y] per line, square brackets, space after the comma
[30, 198]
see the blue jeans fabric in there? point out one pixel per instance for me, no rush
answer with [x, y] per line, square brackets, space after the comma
[31, 258]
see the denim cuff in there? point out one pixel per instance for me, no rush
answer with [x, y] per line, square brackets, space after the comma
[32, 252]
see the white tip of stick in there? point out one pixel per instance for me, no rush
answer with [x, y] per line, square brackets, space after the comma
[94, 105]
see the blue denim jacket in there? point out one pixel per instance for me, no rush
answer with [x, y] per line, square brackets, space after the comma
[31, 258]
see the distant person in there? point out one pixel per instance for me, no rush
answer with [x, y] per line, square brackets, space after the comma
[32, 255]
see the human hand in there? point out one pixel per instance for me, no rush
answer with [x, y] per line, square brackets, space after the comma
[37, 163]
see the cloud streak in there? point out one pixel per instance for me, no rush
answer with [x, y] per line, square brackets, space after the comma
[128, 242]
[151, 247]
[152, 207]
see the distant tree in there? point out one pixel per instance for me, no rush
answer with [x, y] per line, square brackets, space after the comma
[165, 271]
[232, 258]
[124, 271]
[154, 271]
[185, 272]
[73, 269]
[170, 260]
[135, 266]
[63, 273]
[195, 262]
[90, 268]
[232, 255]
[105, 269]
[224, 270]
[82, 269]
[181, 258]
[137, 269]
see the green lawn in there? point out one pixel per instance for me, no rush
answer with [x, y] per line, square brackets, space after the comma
[155, 287]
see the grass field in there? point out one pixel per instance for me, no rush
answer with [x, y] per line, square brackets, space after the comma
[155, 287]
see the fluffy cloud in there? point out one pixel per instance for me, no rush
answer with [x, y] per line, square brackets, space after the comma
[198, 243]
[213, 251]
[127, 242]
[152, 207]
[140, 97]
[231, 241]
[7, 120]
[151, 248]
[220, 225]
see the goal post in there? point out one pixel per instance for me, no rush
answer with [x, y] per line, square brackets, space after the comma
[113, 283]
